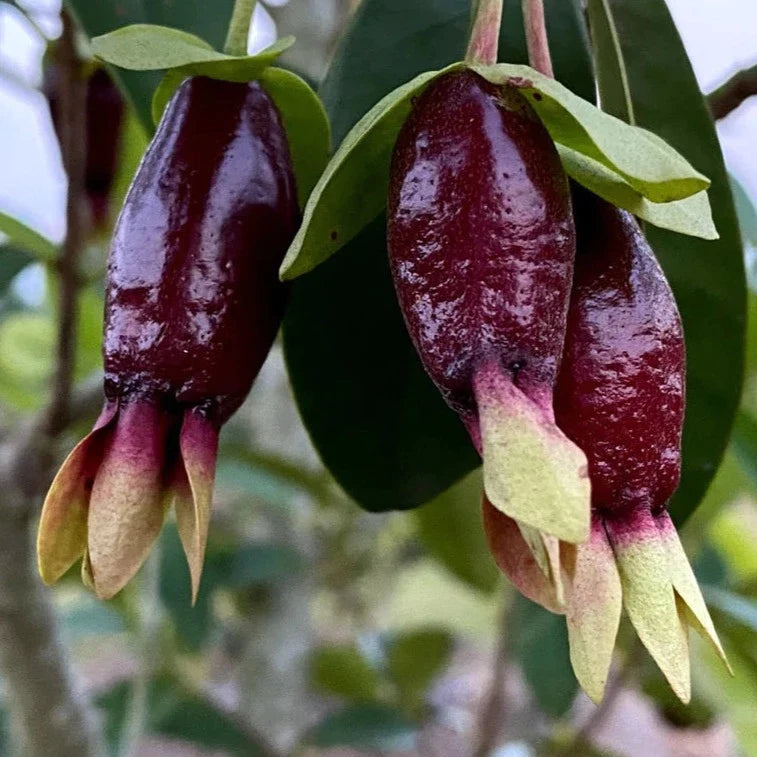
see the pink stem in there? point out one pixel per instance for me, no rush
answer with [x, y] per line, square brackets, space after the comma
[536, 37]
[484, 36]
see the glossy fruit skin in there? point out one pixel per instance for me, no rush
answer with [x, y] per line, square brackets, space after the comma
[621, 390]
[481, 237]
[193, 297]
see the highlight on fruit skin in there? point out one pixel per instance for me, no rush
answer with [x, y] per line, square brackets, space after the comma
[193, 303]
[481, 245]
[620, 396]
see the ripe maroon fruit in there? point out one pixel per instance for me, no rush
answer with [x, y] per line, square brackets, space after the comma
[620, 397]
[193, 304]
[104, 117]
[481, 244]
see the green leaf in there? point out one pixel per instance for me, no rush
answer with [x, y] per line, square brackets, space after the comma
[149, 47]
[691, 216]
[451, 530]
[415, 659]
[345, 672]
[30, 241]
[366, 726]
[352, 190]
[306, 125]
[377, 421]
[541, 646]
[707, 277]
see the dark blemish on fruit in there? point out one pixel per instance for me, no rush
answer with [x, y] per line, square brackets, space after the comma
[537, 96]
[334, 236]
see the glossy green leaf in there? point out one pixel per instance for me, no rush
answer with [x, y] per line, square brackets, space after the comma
[352, 189]
[415, 659]
[149, 47]
[451, 530]
[691, 215]
[345, 672]
[374, 416]
[661, 93]
[306, 125]
[372, 727]
[198, 17]
[25, 238]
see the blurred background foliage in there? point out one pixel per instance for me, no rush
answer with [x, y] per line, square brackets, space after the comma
[322, 629]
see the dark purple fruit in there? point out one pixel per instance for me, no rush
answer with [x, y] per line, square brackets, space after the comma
[481, 244]
[193, 304]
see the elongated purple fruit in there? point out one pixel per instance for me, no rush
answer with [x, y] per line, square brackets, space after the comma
[481, 243]
[620, 396]
[193, 304]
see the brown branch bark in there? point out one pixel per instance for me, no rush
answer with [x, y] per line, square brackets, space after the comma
[73, 138]
[50, 715]
[493, 707]
[728, 96]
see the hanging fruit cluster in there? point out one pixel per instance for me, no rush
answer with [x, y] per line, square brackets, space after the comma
[535, 304]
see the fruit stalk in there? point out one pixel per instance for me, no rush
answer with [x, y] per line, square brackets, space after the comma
[239, 27]
[536, 37]
[483, 42]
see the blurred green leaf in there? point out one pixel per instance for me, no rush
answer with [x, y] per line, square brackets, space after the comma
[24, 237]
[745, 442]
[450, 528]
[26, 348]
[746, 212]
[89, 617]
[192, 624]
[541, 647]
[206, 20]
[415, 659]
[365, 726]
[738, 608]
[660, 92]
[177, 714]
[259, 564]
[344, 671]
[375, 418]
[12, 261]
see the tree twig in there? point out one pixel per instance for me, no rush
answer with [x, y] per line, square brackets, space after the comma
[72, 129]
[50, 715]
[493, 708]
[728, 96]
